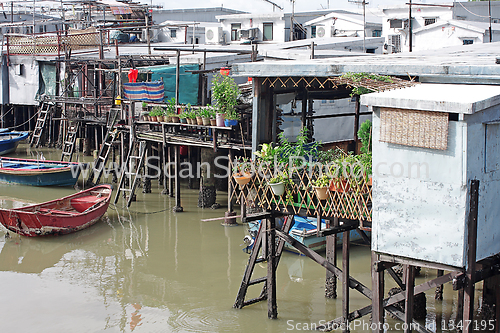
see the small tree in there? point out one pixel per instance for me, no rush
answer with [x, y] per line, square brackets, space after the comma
[225, 94]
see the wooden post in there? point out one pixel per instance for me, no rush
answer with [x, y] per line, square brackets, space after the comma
[243, 210]
[356, 123]
[229, 185]
[304, 108]
[177, 76]
[439, 290]
[170, 170]
[377, 295]
[471, 257]
[177, 158]
[272, 308]
[345, 280]
[331, 257]
[148, 38]
[164, 161]
[410, 286]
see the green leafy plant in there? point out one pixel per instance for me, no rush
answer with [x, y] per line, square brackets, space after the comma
[144, 105]
[329, 156]
[283, 177]
[365, 136]
[205, 113]
[300, 148]
[242, 165]
[225, 93]
[171, 107]
[358, 77]
[157, 111]
[267, 152]
[323, 181]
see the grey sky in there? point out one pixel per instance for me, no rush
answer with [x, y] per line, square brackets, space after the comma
[262, 6]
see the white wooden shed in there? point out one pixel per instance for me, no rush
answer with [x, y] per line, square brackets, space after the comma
[429, 142]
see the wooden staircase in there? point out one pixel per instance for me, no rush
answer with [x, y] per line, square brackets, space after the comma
[135, 163]
[43, 112]
[69, 143]
[100, 162]
[261, 240]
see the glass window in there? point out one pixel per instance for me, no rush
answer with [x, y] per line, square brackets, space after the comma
[268, 31]
[235, 27]
[313, 31]
[428, 21]
[377, 33]
[173, 33]
[468, 41]
[396, 24]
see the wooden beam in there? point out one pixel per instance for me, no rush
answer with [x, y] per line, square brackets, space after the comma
[410, 286]
[272, 308]
[378, 296]
[345, 280]
[471, 257]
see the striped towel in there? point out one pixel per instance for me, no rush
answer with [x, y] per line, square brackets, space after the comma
[144, 91]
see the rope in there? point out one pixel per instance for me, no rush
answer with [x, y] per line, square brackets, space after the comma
[36, 114]
[11, 108]
[145, 213]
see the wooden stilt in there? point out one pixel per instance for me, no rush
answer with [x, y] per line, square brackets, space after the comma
[471, 257]
[439, 290]
[410, 287]
[497, 307]
[272, 308]
[345, 280]
[177, 158]
[377, 295]
[164, 167]
[170, 171]
[331, 257]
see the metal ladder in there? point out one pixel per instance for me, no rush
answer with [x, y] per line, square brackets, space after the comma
[69, 143]
[133, 162]
[43, 112]
[102, 158]
[254, 259]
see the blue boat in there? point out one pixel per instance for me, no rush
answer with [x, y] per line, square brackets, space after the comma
[10, 140]
[2, 130]
[304, 230]
[38, 173]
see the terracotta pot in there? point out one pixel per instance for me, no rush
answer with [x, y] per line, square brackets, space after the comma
[199, 120]
[322, 192]
[213, 122]
[153, 118]
[278, 188]
[242, 179]
[339, 185]
[165, 119]
[175, 119]
[369, 182]
[206, 121]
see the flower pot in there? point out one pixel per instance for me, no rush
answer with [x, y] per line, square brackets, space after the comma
[166, 119]
[339, 185]
[183, 121]
[230, 122]
[321, 192]
[213, 122]
[145, 118]
[199, 120]
[278, 188]
[153, 118]
[242, 179]
[206, 121]
[369, 181]
[175, 119]
[219, 119]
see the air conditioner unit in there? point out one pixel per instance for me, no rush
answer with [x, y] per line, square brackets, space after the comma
[320, 31]
[214, 35]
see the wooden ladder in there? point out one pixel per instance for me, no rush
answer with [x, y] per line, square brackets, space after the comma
[69, 143]
[43, 112]
[102, 158]
[260, 239]
[134, 162]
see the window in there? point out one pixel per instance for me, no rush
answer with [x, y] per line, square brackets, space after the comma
[376, 33]
[173, 33]
[313, 31]
[396, 24]
[235, 27]
[370, 50]
[268, 31]
[468, 41]
[395, 41]
[429, 21]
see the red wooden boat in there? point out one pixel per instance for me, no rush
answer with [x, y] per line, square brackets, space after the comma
[61, 216]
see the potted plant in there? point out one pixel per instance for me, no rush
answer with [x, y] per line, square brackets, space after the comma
[242, 171]
[199, 118]
[321, 186]
[158, 112]
[213, 121]
[278, 183]
[144, 106]
[192, 117]
[231, 119]
[205, 116]
[145, 116]
[365, 158]
[183, 117]
[225, 95]
[219, 119]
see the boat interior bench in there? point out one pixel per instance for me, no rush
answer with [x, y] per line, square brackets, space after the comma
[55, 211]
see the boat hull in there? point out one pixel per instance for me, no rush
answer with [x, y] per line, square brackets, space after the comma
[10, 140]
[38, 173]
[60, 216]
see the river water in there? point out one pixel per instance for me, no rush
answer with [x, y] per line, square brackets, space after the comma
[150, 270]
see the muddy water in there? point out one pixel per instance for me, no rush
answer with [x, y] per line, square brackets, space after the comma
[150, 270]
